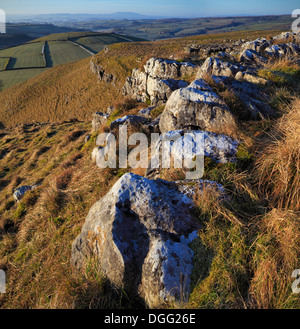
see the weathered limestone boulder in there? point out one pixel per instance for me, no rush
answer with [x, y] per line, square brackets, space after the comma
[99, 119]
[161, 90]
[251, 78]
[184, 145]
[258, 45]
[139, 233]
[21, 191]
[146, 112]
[158, 81]
[162, 68]
[254, 100]
[287, 37]
[136, 86]
[196, 107]
[217, 67]
[250, 57]
[101, 73]
[289, 49]
[225, 56]
[133, 120]
[167, 69]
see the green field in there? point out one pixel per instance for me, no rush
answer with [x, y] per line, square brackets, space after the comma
[3, 63]
[25, 56]
[60, 52]
[98, 42]
[20, 63]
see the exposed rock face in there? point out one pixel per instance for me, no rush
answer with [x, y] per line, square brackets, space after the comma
[251, 78]
[101, 73]
[255, 101]
[136, 86]
[217, 67]
[287, 36]
[99, 119]
[146, 112]
[166, 69]
[250, 57]
[289, 49]
[158, 81]
[139, 232]
[134, 120]
[196, 107]
[21, 191]
[161, 90]
[186, 145]
[258, 45]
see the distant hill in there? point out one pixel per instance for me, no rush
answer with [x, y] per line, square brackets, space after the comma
[52, 18]
[164, 28]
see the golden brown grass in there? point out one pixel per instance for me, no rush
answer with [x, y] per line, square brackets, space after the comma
[72, 91]
[278, 167]
[276, 255]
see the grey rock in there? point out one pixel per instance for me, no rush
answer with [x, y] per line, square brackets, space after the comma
[161, 90]
[146, 112]
[217, 67]
[196, 107]
[101, 73]
[134, 120]
[289, 49]
[258, 45]
[136, 86]
[21, 191]
[99, 119]
[250, 57]
[139, 233]
[185, 145]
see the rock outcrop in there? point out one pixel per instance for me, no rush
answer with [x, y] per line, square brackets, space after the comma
[101, 73]
[196, 107]
[139, 233]
[99, 119]
[160, 78]
[217, 67]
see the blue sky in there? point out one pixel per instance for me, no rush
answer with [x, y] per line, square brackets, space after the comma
[174, 8]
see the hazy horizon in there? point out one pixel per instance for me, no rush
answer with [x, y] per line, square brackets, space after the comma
[163, 8]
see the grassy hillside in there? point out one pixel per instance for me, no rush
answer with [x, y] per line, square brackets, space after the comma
[64, 96]
[50, 51]
[253, 239]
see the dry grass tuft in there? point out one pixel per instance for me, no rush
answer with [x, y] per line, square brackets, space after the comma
[278, 166]
[276, 255]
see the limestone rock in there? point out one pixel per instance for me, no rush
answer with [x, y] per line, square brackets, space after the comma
[21, 191]
[258, 45]
[139, 233]
[99, 119]
[101, 73]
[217, 67]
[289, 49]
[134, 120]
[196, 107]
[250, 57]
[161, 90]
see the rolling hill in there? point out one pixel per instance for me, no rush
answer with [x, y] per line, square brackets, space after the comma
[249, 245]
[20, 63]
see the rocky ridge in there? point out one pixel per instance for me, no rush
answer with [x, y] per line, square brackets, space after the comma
[141, 229]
